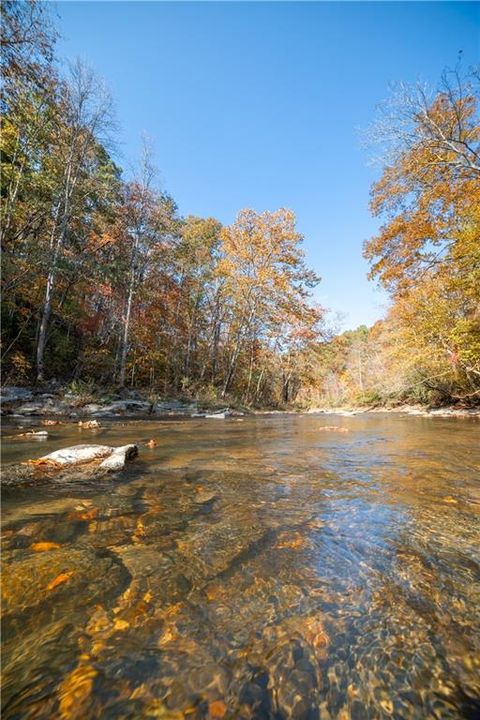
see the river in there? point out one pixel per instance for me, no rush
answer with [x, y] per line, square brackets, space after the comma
[258, 567]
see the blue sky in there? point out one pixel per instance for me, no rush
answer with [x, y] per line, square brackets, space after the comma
[259, 104]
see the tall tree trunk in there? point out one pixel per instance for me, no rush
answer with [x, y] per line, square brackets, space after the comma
[70, 180]
[126, 322]
[47, 303]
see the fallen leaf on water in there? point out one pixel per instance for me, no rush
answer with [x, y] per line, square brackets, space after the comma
[59, 580]
[43, 546]
[217, 709]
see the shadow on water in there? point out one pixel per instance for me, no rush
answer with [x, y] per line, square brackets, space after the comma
[255, 569]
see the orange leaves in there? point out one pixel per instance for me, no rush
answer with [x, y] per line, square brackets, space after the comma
[84, 514]
[44, 546]
[217, 709]
[59, 580]
[292, 541]
[43, 463]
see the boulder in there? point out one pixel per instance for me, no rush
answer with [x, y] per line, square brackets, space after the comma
[44, 406]
[76, 454]
[122, 407]
[91, 408]
[32, 408]
[12, 394]
[113, 458]
[78, 463]
[174, 407]
[119, 457]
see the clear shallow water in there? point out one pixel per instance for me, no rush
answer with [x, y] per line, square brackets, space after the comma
[261, 568]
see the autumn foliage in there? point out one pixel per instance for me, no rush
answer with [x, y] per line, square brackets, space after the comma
[104, 282]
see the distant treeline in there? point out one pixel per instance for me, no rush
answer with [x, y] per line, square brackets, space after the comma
[105, 283]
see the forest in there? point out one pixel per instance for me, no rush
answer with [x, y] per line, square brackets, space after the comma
[105, 284]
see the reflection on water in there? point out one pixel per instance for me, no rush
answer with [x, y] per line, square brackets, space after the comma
[249, 569]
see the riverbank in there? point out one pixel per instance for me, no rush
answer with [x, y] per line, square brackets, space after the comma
[444, 412]
[57, 400]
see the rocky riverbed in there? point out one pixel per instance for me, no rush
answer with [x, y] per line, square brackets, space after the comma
[260, 567]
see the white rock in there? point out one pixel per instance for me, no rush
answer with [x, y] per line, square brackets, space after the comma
[78, 454]
[119, 456]
[115, 458]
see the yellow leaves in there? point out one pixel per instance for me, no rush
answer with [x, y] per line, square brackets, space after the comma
[75, 691]
[169, 635]
[44, 546]
[121, 624]
[139, 533]
[59, 580]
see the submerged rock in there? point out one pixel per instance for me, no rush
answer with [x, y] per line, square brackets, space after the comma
[41, 434]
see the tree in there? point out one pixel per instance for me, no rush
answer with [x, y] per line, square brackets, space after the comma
[76, 170]
[427, 251]
[429, 191]
[265, 279]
